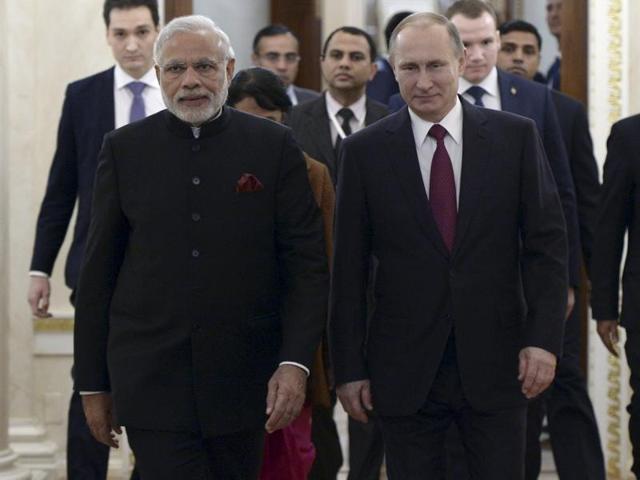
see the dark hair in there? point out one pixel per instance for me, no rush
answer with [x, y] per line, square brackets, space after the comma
[352, 31]
[393, 22]
[264, 86]
[520, 26]
[270, 31]
[471, 9]
[109, 5]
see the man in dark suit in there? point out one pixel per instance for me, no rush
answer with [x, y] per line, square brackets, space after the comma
[554, 22]
[276, 48]
[92, 107]
[205, 272]
[348, 63]
[617, 218]
[471, 289]
[567, 404]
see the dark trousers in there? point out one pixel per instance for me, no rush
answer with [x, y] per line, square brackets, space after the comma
[324, 436]
[87, 459]
[493, 441]
[632, 349]
[366, 449]
[177, 455]
[575, 439]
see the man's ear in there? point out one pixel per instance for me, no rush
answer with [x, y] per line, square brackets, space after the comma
[231, 66]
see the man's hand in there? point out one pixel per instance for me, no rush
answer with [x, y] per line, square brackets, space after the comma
[285, 396]
[608, 331]
[571, 302]
[38, 297]
[536, 371]
[355, 398]
[98, 408]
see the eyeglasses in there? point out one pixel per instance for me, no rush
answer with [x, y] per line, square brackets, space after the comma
[274, 57]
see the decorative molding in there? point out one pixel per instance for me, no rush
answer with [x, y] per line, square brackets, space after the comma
[55, 324]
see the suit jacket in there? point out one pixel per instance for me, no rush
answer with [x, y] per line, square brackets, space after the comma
[532, 100]
[617, 216]
[87, 114]
[304, 94]
[191, 291]
[310, 125]
[502, 288]
[574, 125]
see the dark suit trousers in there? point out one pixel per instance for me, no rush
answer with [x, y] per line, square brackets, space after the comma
[632, 349]
[573, 429]
[493, 441]
[366, 449]
[324, 436]
[87, 459]
[174, 455]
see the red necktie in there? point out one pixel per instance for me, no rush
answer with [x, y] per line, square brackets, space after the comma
[442, 188]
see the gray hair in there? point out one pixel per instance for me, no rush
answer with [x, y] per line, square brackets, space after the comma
[192, 24]
[428, 19]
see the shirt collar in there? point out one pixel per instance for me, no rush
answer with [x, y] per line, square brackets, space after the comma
[359, 107]
[452, 122]
[122, 78]
[489, 84]
[291, 93]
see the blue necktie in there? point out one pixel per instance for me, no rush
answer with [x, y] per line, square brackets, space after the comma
[137, 106]
[477, 93]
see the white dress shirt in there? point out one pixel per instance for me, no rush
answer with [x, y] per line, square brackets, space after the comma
[426, 145]
[291, 93]
[123, 97]
[359, 109]
[491, 99]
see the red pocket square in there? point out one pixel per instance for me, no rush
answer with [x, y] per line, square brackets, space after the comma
[248, 183]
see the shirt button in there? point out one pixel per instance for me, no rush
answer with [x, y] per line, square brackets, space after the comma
[195, 148]
[195, 180]
[195, 217]
[195, 253]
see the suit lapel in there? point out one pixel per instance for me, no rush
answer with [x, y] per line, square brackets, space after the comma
[320, 131]
[372, 114]
[476, 150]
[402, 151]
[106, 102]
[509, 98]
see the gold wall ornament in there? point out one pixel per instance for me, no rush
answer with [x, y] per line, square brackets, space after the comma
[614, 402]
[62, 324]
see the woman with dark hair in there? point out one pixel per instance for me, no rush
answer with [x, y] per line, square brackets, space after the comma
[289, 453]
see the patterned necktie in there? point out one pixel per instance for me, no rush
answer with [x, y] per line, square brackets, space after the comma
[137, 105]
[477, 93]
[442, 188]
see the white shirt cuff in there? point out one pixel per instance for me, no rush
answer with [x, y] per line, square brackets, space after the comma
[297, 365]
[36, 273]
[90, 393]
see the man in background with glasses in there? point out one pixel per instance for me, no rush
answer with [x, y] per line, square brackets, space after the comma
[276, 48]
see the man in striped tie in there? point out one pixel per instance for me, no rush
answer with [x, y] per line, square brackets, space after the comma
[470, 240]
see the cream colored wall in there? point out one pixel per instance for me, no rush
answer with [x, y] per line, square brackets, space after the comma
[47, 45]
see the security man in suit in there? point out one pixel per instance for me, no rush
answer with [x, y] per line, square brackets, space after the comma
[348, 64]
[567, 404]
[92, 107]
[470, 239]
[618, 218]
[276, 48]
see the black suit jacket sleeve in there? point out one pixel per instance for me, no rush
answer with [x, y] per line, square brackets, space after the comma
[585, 177]
[60, 197]
[614, 217]
[350, 273]
[302, 259]
[108, 233]
[557, 154]
[544, 250]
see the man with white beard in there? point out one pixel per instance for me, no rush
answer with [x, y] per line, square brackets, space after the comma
[203, 292]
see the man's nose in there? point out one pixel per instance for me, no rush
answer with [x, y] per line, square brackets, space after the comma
[132, 44]
[474, 52]
[190, 79]
[281, 63]
[424, 80]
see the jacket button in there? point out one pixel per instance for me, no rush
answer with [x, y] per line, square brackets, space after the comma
[195, 180]
[195, 253]
[195, 217]
[195, 148]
